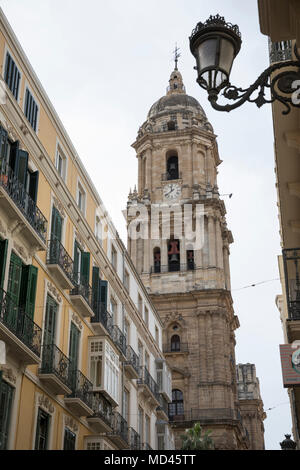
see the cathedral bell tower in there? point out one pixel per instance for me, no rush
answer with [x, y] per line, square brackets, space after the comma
[189, 282]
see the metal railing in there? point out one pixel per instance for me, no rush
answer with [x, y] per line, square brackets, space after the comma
[20, 324]
[182, 347]
[18, 193]
[102, 316]
[134, 439]
[163, 404]
[54, 361]
[204, 415]
[280, 51]
[120, 426]
[132, 359]
[119, 339]
[169, 177]
[171, 268]
[82, 288]
[57, 254]
[81, 387]
[147, 379]
[291, 260]
[102, 408]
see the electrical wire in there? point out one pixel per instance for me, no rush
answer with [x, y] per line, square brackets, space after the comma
[276, 406]
[256, 284]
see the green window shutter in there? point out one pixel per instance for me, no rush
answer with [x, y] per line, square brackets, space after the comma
[50, 321]
[85, 268]
[56, 225]
[3, 144]
[74, 346]
[14, 278]
[3, 256]
[37, 432]
[28, 289]
[6, 399]
[103, 293]
[95, 289]
[14, 155]
[33, 185]
[22, 166]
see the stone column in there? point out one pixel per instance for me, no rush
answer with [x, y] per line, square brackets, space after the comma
[212, 241]
[148, 171]
[140, 177]
[227, 267]
[146, 265]
[220, 262]
[164, 254]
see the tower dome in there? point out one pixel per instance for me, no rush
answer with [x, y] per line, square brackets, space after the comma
[175, 111]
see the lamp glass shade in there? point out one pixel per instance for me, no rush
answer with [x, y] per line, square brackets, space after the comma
[227, 54]
[207, 53]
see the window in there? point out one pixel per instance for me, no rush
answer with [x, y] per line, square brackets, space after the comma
[176, 407]
[104, 368]
[113, 310]
[175, 343]
[147, 429]
[126, 280]
[140, 304]
[6, 399]
[98, 230]
[31, 109]
[147, 317]
[69, 440]
[81, 265]
[3, 258]
[42, 430]
[12, 76]
[127, 331]
[174, 255]
[141, 350]
[74, 354]
[81, 198]
[114, 257]
[172, 168]
[141, 423]
[50, 321]
[157, 260]
[61, 163]
[126, 398]
[190, 260]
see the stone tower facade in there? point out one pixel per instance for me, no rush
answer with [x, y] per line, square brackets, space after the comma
[188, 280]
[251, 405]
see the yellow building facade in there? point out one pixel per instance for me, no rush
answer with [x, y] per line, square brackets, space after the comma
[84, 367]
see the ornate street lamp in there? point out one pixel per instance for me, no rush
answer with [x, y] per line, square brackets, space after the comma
[215, 44]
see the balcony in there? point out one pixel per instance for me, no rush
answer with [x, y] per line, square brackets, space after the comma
[102, 321]
[80, 401]
[21, 210]
[55, 370]
[60, 264]
[132, 364]
[101, 420]
[291, 260]
[204, 416]
[173, 268]
[170, 349]
[280, 51]
[81, 297]
[148, 386]
[22, 336]
[163, 409]
[119, 435]
[134, 440]
[119, 340]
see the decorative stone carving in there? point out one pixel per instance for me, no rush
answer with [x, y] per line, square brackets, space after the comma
[80, 240]
[54, 291]
[2, 229]
[24, 129]
[8, 375]
[71, 423]
[59, 207]
[20, 250]
[46, 403]
[11, 132]
[76, 320]
[174, 316]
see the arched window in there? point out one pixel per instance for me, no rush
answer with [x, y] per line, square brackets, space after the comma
[157, 260]
[175, 343]
[174, 255]
[173, 168]
[176, 407]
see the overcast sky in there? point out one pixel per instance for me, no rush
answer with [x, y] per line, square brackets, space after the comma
[103, 64]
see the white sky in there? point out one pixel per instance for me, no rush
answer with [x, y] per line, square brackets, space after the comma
[103, 64]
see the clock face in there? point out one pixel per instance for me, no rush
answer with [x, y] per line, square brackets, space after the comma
[172, 191]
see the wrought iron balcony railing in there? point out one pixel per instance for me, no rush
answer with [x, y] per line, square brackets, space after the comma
[57, 254]
[205, 415]
[102, 408]
[132, 359]
[291, 260]
[163, 404]
[81, 388]
[134, 440]
[176, 348]
[120, 426]
[103, 316]
[82, 288]
[147, 379]
[174, 267]
[119, 339]
[54, 361]
[20, 324]
[18, 193]
[280, 51]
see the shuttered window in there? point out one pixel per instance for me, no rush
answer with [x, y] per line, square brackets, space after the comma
[12, 76]
[31, 109]
[6, 398]
[3, 255]
[42, 430]
[69, 440]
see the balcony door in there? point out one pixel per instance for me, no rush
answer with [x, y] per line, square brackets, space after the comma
[50, 321]
[56, 236]
[74, 346]
[81, 266]
[13, 289]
